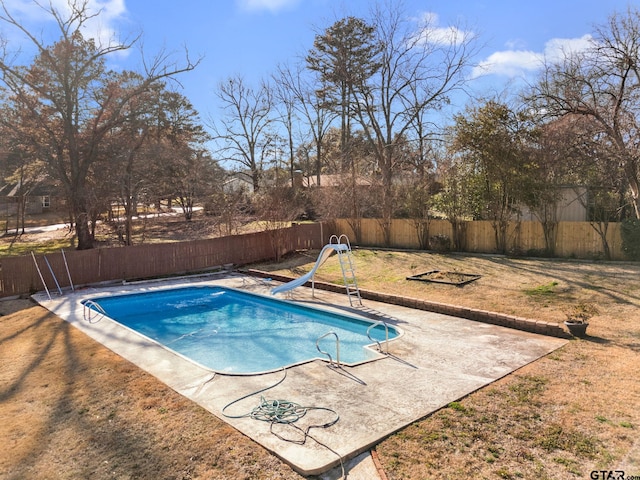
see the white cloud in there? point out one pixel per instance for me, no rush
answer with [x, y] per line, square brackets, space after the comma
[271, 5]
[557, 48]
[101, 27]
[429, 31]
[516, 62]
[509, 63]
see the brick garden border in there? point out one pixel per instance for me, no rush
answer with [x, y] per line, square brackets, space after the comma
[519, 323]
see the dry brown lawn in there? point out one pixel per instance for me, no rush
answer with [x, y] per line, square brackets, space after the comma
[69, 408]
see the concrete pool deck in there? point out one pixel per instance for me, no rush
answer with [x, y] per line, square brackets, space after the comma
[438, 359]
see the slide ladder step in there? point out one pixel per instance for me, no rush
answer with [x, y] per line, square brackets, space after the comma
[348, 271]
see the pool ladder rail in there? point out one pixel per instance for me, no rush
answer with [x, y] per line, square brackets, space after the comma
[337, 363]
[347, 267]
[331, 363]
[92, 306]
[386, 336]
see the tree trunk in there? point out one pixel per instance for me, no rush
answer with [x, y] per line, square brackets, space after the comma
[255, 178]
[422, 231]
[318, 163]
[601, 228]
[387, 193]
[128, 220]
[459, 235]
[23, 211]
[85, 240]
[81, 217]
[550, 230]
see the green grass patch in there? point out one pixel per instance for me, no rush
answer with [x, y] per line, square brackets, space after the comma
[528, 387]
[506, 474]
[495, 451]
[457, 406]
[555, 437]
[571, 465]
[556, 356]
[542, 290]
[15, 249]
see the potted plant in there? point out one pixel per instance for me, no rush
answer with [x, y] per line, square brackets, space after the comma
[578, 318]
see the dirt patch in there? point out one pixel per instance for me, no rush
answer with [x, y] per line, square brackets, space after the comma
[73, 409]
[449, 278]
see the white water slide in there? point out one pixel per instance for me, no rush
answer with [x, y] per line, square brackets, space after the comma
[325, 253]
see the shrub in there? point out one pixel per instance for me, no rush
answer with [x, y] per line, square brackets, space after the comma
[440, 242]
[630, 232]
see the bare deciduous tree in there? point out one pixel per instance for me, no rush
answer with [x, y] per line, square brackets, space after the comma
[313, 107]
[419, 68]
[74, 99]
[244, 128]
[602, 83]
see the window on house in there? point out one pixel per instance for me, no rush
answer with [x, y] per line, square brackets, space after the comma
[46, 201]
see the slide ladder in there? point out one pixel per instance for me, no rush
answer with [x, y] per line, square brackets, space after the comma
[348, 269]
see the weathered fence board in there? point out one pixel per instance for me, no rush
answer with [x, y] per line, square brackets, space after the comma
[573, 239]
[18, 275]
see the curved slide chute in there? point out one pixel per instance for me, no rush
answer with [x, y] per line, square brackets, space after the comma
[325, 253]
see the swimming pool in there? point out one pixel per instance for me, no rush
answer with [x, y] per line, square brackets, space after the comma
[236, 332]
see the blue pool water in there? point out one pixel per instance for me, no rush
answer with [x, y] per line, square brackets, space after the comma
[237, 332]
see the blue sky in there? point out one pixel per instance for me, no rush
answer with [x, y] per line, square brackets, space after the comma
[251, 37]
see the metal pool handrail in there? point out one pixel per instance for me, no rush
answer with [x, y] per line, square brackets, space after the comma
[89, 306]
[327, 353]
[386, 333]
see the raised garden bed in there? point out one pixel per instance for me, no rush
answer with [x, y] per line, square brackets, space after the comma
[449, 278]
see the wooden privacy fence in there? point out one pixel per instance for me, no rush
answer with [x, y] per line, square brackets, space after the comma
[573, 239]
[18, 275]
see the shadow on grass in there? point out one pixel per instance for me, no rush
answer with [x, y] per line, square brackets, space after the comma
[63, 388]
